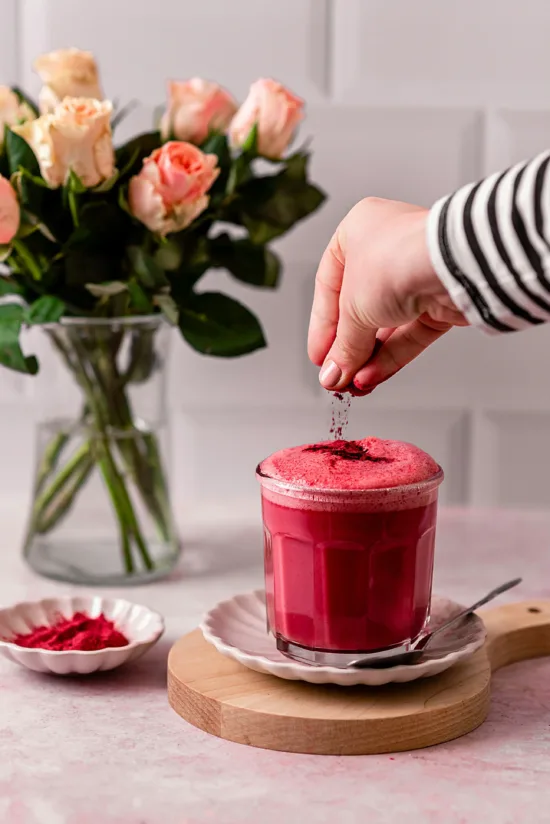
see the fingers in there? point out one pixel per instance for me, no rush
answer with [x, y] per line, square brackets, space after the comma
[444, 311]
[381, 337]
[351, 349]
[325, 310]
[336, 338]
[404, 345]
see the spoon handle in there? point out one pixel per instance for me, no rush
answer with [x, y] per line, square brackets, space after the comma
[489, 597]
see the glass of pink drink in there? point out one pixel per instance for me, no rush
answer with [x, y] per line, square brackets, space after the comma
[349, 532]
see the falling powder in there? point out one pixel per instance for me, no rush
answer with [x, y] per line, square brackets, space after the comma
[340, 413]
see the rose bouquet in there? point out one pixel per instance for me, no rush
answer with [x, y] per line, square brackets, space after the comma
[93, 235]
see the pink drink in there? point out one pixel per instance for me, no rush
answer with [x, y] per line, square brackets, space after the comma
[349, 543]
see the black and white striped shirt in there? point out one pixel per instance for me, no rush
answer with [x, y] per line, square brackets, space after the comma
[490, 245]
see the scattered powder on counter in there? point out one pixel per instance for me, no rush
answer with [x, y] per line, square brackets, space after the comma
[81, 632]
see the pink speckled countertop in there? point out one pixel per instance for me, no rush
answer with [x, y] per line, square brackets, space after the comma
[109, 750]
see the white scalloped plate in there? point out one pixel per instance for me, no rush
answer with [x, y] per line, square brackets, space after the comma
[237, 628]
[141, 625]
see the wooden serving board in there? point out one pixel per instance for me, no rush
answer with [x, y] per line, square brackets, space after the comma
[224, 698]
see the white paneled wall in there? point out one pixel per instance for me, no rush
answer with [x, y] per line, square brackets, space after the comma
[474, 53]
[406, 100]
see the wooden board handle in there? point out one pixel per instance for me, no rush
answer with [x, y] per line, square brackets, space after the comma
[516, 632]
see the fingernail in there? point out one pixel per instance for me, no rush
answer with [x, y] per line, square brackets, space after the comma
[330, 375]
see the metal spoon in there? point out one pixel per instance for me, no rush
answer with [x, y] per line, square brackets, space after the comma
[413, 656]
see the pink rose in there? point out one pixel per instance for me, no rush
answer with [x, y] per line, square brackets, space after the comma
[12, 111]
[277, 113]
[196, 107]
[170, 191]
[9, 212]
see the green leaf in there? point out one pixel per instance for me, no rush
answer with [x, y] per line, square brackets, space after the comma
[240, 170]
[95, 250]
[83, 266]
[28, 261]
[270, 205]
[217, 144]
[139, 297]
[11, 312]
[131, 155]
[148, 271]
[26, 229]
[103, 226]
[5, 252]
[8, 286]
[168, 307]
[73, 207]
[250, 145]
[239, 173]
[296, 166]
[71, 189]
[246, 261]
[29, 228]
[11, 356]
[291, 202]
[215, 324]
[168, 256]
[20, 154]
[23, 98]
[123, 202]
[106, 290]
[123, 113]
[74, 183]
[43, 206]
[130, 164]
[38, 181]
[261, 231]
[43, 229]
[107, 185]
[47, 309]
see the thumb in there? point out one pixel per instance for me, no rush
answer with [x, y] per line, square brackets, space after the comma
[350, 351]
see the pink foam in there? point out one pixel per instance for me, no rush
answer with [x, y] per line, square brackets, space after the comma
[316, 466]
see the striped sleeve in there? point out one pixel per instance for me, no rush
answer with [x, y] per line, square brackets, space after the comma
[489, 243]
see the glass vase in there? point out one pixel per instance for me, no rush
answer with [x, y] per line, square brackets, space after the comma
[100, 511]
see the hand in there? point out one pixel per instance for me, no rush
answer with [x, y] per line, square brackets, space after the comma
[375, 283]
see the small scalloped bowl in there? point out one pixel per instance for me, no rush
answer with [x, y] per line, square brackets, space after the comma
[140, 625]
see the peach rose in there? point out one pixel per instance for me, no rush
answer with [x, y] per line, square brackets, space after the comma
[66, 73]
[196, 107]
[12, 111]
[277, 113]
[77, 136]
[9, 212]
[170, 191]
